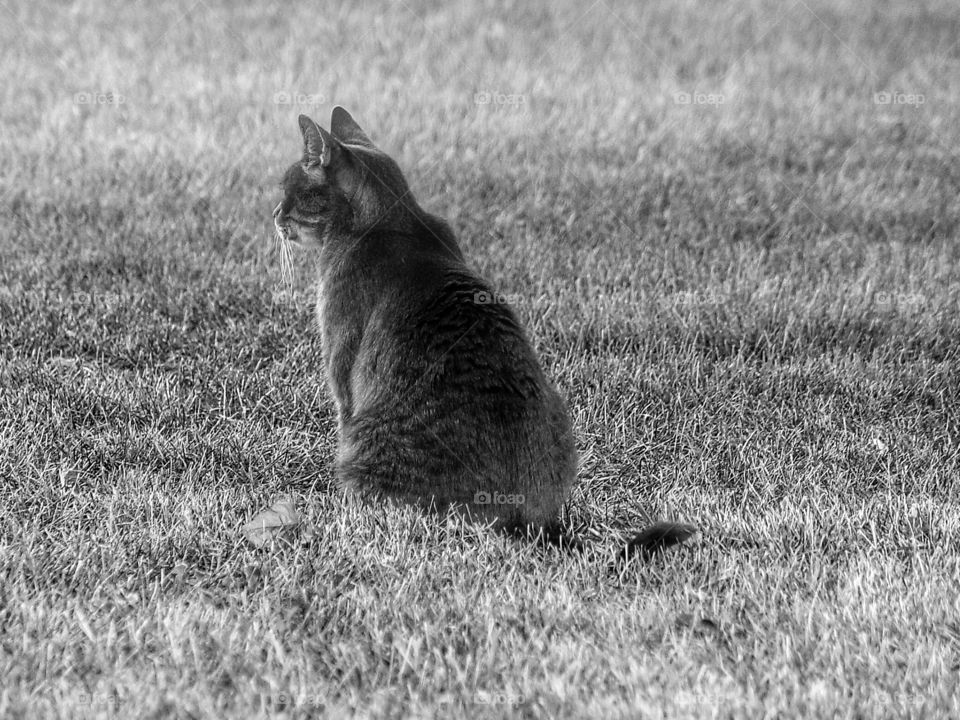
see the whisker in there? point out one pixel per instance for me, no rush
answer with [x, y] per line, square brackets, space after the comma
[284, 246]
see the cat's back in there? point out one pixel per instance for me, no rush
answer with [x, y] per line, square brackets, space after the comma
[450, 398]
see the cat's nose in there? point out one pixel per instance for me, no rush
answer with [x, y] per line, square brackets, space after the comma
[277, 210]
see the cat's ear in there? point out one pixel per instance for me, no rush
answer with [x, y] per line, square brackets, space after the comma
[346, 130]
[318, 144]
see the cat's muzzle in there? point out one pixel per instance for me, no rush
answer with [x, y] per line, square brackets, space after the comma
[285, 229]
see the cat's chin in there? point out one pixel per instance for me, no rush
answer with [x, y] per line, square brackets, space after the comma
[307, 235]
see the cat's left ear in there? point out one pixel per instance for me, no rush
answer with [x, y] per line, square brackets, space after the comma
[318, 145]
[346, 129]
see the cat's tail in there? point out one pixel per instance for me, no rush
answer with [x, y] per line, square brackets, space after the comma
[656, 538]
[645, 545]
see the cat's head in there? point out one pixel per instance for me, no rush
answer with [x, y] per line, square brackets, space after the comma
[342, 182]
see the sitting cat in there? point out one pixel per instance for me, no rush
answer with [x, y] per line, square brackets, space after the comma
[440, 397]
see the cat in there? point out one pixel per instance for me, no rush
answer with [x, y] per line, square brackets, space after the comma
[440, 398]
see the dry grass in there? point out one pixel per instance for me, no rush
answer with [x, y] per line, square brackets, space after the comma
[737, 260]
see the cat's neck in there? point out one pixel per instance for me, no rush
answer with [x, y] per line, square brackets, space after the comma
[407, 218]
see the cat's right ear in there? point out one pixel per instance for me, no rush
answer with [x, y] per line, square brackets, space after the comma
[318, 144]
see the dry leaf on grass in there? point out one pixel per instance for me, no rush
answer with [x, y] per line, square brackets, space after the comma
[277, 519]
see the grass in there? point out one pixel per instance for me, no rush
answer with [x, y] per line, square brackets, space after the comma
[732, 231]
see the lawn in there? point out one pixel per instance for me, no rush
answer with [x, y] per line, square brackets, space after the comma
[733, 231]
